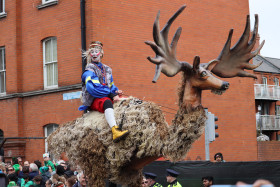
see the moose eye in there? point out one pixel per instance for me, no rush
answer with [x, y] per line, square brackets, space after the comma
[203, 74]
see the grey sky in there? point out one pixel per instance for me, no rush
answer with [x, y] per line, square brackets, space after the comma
[269, 25]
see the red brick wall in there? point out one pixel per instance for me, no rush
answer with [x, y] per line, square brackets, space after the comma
[43, 110]
[61, 21]
[123, 26]
[267, 150]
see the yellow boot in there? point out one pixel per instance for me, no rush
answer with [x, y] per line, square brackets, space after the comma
[118, 134]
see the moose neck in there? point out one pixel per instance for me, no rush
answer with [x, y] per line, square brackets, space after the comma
[189, 96]
[192, 97]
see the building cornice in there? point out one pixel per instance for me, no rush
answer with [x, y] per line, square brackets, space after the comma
[41, 92]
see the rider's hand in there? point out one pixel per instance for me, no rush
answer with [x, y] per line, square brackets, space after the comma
[119, 92]
[116, 98]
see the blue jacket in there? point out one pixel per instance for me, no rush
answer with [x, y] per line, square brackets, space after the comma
[33, 174]
[98, 82]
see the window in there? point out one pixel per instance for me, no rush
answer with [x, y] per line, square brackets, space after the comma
[264, 80]
[276, 81]
[2, 71]
[1, 136]
[48, 129]
[50, 62]
[277, 111]
[2, 6]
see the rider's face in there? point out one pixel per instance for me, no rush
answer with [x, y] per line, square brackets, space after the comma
[95, 54]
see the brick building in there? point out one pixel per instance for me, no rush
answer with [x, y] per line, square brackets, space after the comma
[267, 96]
[40, 50]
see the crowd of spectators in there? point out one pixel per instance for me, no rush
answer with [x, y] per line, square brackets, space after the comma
[19, 173]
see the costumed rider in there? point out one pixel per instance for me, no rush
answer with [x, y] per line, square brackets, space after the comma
[171, 178]
[98, 89]
[151, 179]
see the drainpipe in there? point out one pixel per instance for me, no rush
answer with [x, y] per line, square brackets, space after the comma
[83, 31]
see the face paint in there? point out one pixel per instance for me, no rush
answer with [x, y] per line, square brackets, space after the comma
[95, 54]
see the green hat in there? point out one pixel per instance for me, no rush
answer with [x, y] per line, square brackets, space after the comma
[12, 183]
[44, 169]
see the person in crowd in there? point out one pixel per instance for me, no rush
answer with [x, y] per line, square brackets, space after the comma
[38, 181]
[82, 180]
[58, 181]
[24, 180]
[3, 169]
[70, 171]
[19, 159]
[49, 183]
[8, 164]
[60, 170]
[12, 179]
[3, 177]
[150, 177]
[218, 157]
[47, 161]
[33, 171]
[71, 181]
[10, 170]
[207, 181]
[2, 160]
[16, 165]
[144, 182]
[171, 178]
[98, 89]
[45, 174]
[24, 171]
[38, 163]
[26, 163]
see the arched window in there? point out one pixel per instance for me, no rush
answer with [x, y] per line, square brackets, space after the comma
[48, 129]
[50, 62]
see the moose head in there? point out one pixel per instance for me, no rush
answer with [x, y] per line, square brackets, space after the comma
[230, 63]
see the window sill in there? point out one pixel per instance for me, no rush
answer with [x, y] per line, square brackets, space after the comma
[47, 4]
[51, 87]
[3, 15]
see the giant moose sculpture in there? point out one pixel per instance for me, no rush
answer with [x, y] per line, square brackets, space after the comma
[87, 141]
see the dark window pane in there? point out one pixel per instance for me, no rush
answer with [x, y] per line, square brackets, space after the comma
[1, 59]
[1, 6]
[2, 82]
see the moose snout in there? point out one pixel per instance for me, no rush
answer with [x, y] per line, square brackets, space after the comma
[225, 85]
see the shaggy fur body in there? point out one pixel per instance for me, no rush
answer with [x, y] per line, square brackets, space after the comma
[87, 141]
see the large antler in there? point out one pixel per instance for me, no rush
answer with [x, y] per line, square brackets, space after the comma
[233, 61]
[165, 59]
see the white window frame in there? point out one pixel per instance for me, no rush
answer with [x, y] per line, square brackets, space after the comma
[3, 60]
[54, 126]
[47, 1]
[3, 12]
[48, 63]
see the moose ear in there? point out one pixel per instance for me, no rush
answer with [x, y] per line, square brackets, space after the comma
[196, 62]
[211, 64]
